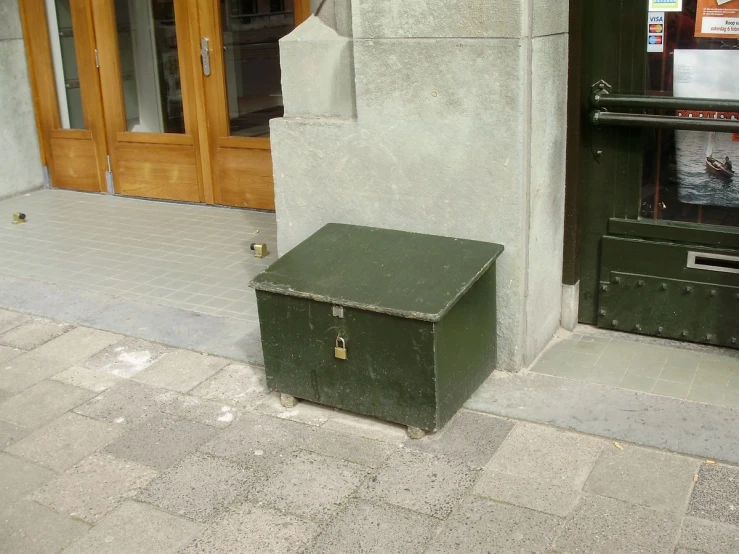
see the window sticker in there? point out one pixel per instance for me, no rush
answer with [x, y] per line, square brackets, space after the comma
[717, 19]
[665, 5]
[656, 32]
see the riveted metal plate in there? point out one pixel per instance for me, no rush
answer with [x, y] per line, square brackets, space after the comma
[671, 308]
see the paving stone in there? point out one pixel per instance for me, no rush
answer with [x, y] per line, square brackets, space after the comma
[87, 379]
[609, 526]
[547, 454]
[10, 433]
[350, 448]
[28, 369]
[41, 403]
[197, 409]
[716, 494]
[420, 482]
[367, 427]
[77, 345]
[127, 403]
[470, 437]
[706, 536]
[65, 441]
[9, 320]
[8, 353]
[643, 476]
[33, 333]
[304, 412]
[366, 527]
[200, 487]
[94, 487]
[309, 485]
[29, 528]
[139, 528]
[236, 384]
[161, 441]
[250, 529]
[258, 440]
[551, 497]
[181, 370]
[18, 478]
[478, 525]
[127, 357]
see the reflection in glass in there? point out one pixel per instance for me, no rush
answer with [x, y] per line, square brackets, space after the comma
[150, 68]
[64, 59]
[251, 29]
[690, 175]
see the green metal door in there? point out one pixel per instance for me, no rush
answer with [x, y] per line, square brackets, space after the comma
[657, 194]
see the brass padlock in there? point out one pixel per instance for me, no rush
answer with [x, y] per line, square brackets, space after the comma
[340, 349]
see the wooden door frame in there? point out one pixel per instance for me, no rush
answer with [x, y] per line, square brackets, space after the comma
[34, 23]
[216, 134]
[206, 121]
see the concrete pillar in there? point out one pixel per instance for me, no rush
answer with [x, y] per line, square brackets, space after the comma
[459, 130]
[20, 169]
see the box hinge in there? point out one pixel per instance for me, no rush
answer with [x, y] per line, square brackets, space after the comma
[97, 59]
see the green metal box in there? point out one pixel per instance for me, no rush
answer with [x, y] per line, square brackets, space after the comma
[417, 314]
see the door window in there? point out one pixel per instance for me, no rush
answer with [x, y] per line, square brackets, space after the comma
[64, 60]
[150, 66]
[251, 31]
[691, 176]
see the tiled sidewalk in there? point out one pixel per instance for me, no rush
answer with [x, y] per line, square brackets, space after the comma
[186, 256]
[117, 445]
[676, 370]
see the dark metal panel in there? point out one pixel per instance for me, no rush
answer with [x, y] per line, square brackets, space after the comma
[381, 270]
[389, 372]
[676, 231]
[466, 346]
[650, 287]
[571, 263]
[693, 311]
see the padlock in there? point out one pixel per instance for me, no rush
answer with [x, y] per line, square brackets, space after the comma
[340, 349]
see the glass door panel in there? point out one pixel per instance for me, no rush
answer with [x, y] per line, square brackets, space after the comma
[150, 66]
[251, 30]
[64, 60]
[689, 176]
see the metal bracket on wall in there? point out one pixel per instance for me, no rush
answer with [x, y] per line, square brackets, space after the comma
[598, 89]
[110, 186]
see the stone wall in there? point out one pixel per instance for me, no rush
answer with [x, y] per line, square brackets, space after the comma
[435, 116]
[20, 169]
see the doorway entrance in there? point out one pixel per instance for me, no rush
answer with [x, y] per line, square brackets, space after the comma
[658, 190]
[167, 99]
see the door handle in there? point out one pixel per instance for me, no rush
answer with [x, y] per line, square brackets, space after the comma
[603, 118]
[205, 55]
[602, 100]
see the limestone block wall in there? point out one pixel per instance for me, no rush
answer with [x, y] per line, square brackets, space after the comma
[435, 116]
[20, 169]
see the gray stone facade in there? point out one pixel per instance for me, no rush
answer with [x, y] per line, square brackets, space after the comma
[440, 117]
[20, 169]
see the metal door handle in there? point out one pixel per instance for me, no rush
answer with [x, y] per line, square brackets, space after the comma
[602, 100]
[604, 118]
[205, 55]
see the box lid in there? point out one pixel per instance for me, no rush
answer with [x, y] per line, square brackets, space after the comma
[404, 274]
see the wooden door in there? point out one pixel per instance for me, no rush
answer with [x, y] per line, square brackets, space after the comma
[243, 92]
[60, 49]
[145, 48]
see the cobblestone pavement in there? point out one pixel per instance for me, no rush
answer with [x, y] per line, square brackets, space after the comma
[112, 444]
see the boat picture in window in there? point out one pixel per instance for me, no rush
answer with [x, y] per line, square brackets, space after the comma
[705, 160]
[715, 166]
